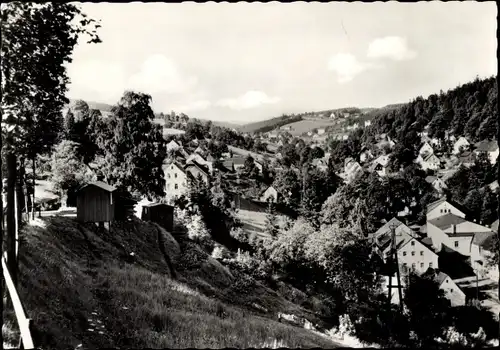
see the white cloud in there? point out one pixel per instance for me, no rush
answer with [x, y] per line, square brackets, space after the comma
[195, 106]
[102, 81]
[250, 99]
[392, 47]
[160, 74]
[347, 66]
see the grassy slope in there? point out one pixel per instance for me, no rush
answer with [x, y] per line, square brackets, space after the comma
[78, 288]
[303, 126]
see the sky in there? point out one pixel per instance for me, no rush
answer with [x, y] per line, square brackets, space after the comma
[245, 62]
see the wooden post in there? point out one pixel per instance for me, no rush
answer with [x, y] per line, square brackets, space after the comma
[1, 250]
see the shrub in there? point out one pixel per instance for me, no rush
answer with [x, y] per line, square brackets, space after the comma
[220, 252]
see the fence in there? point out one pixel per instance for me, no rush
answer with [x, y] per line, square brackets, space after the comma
[26, 341]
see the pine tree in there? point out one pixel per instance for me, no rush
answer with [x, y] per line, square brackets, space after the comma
[272, 220]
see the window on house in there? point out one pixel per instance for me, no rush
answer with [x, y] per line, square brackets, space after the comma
[404, 253]
[176, 186]
[168, 175]
[451, 290]
[412, 253]
[441, 211]
[456, 244]
[175, 175]
[421, 265]
[430, 265]
[171, 167]
[412, 243]
[421, 253]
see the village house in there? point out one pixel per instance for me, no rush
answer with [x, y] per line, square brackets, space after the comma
[320, 164]
[353, 126]
[430, 161]
[333, 115]
[365, 156]
[413, 254]
[198, 158]
[443, 206]
[270, 195]
[175, 180]
[460, 145]
[452, 291]
[368, 123]
[488, 146]
[426, 149]
[380, 165]
[321, 131]
[466, 159]
[173, 145]
[351, 169]
[493, 186]
[436, 183]
[195, 170]
[201, 151]
[95, 203]
[482, 248]
[456, 233]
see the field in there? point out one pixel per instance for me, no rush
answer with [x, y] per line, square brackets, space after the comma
[80, 286]
[303, 126]
[171, 131]
[268, 125]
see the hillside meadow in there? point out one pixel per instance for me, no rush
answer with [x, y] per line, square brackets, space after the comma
[80, 286]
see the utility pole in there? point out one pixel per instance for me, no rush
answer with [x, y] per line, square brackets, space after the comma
[393, 262]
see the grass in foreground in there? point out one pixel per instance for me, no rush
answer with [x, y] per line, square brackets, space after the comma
[79, 288]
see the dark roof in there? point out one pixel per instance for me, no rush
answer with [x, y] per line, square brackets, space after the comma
[176, 163]
[427, 241]
[446, 221]
[99, 184]
[484, 239]
[236, 160]
[157, 205]
[486, 146]
[197, 165]
[430, 179]
[440, 277]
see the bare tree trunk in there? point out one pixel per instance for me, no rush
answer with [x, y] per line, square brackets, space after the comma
[34, 183]
[26, 196]
[11, 215]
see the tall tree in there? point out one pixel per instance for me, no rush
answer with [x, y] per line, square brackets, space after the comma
[36, 42]
[133, 147]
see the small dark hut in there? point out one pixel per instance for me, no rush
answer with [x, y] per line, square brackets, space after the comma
[160, 213]
[95, 203]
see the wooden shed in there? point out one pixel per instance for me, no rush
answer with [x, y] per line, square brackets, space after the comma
[161, 213]
[95, 203]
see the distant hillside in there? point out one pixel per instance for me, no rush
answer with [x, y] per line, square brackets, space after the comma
[106, 108]
[269, 124]
[274, 123]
